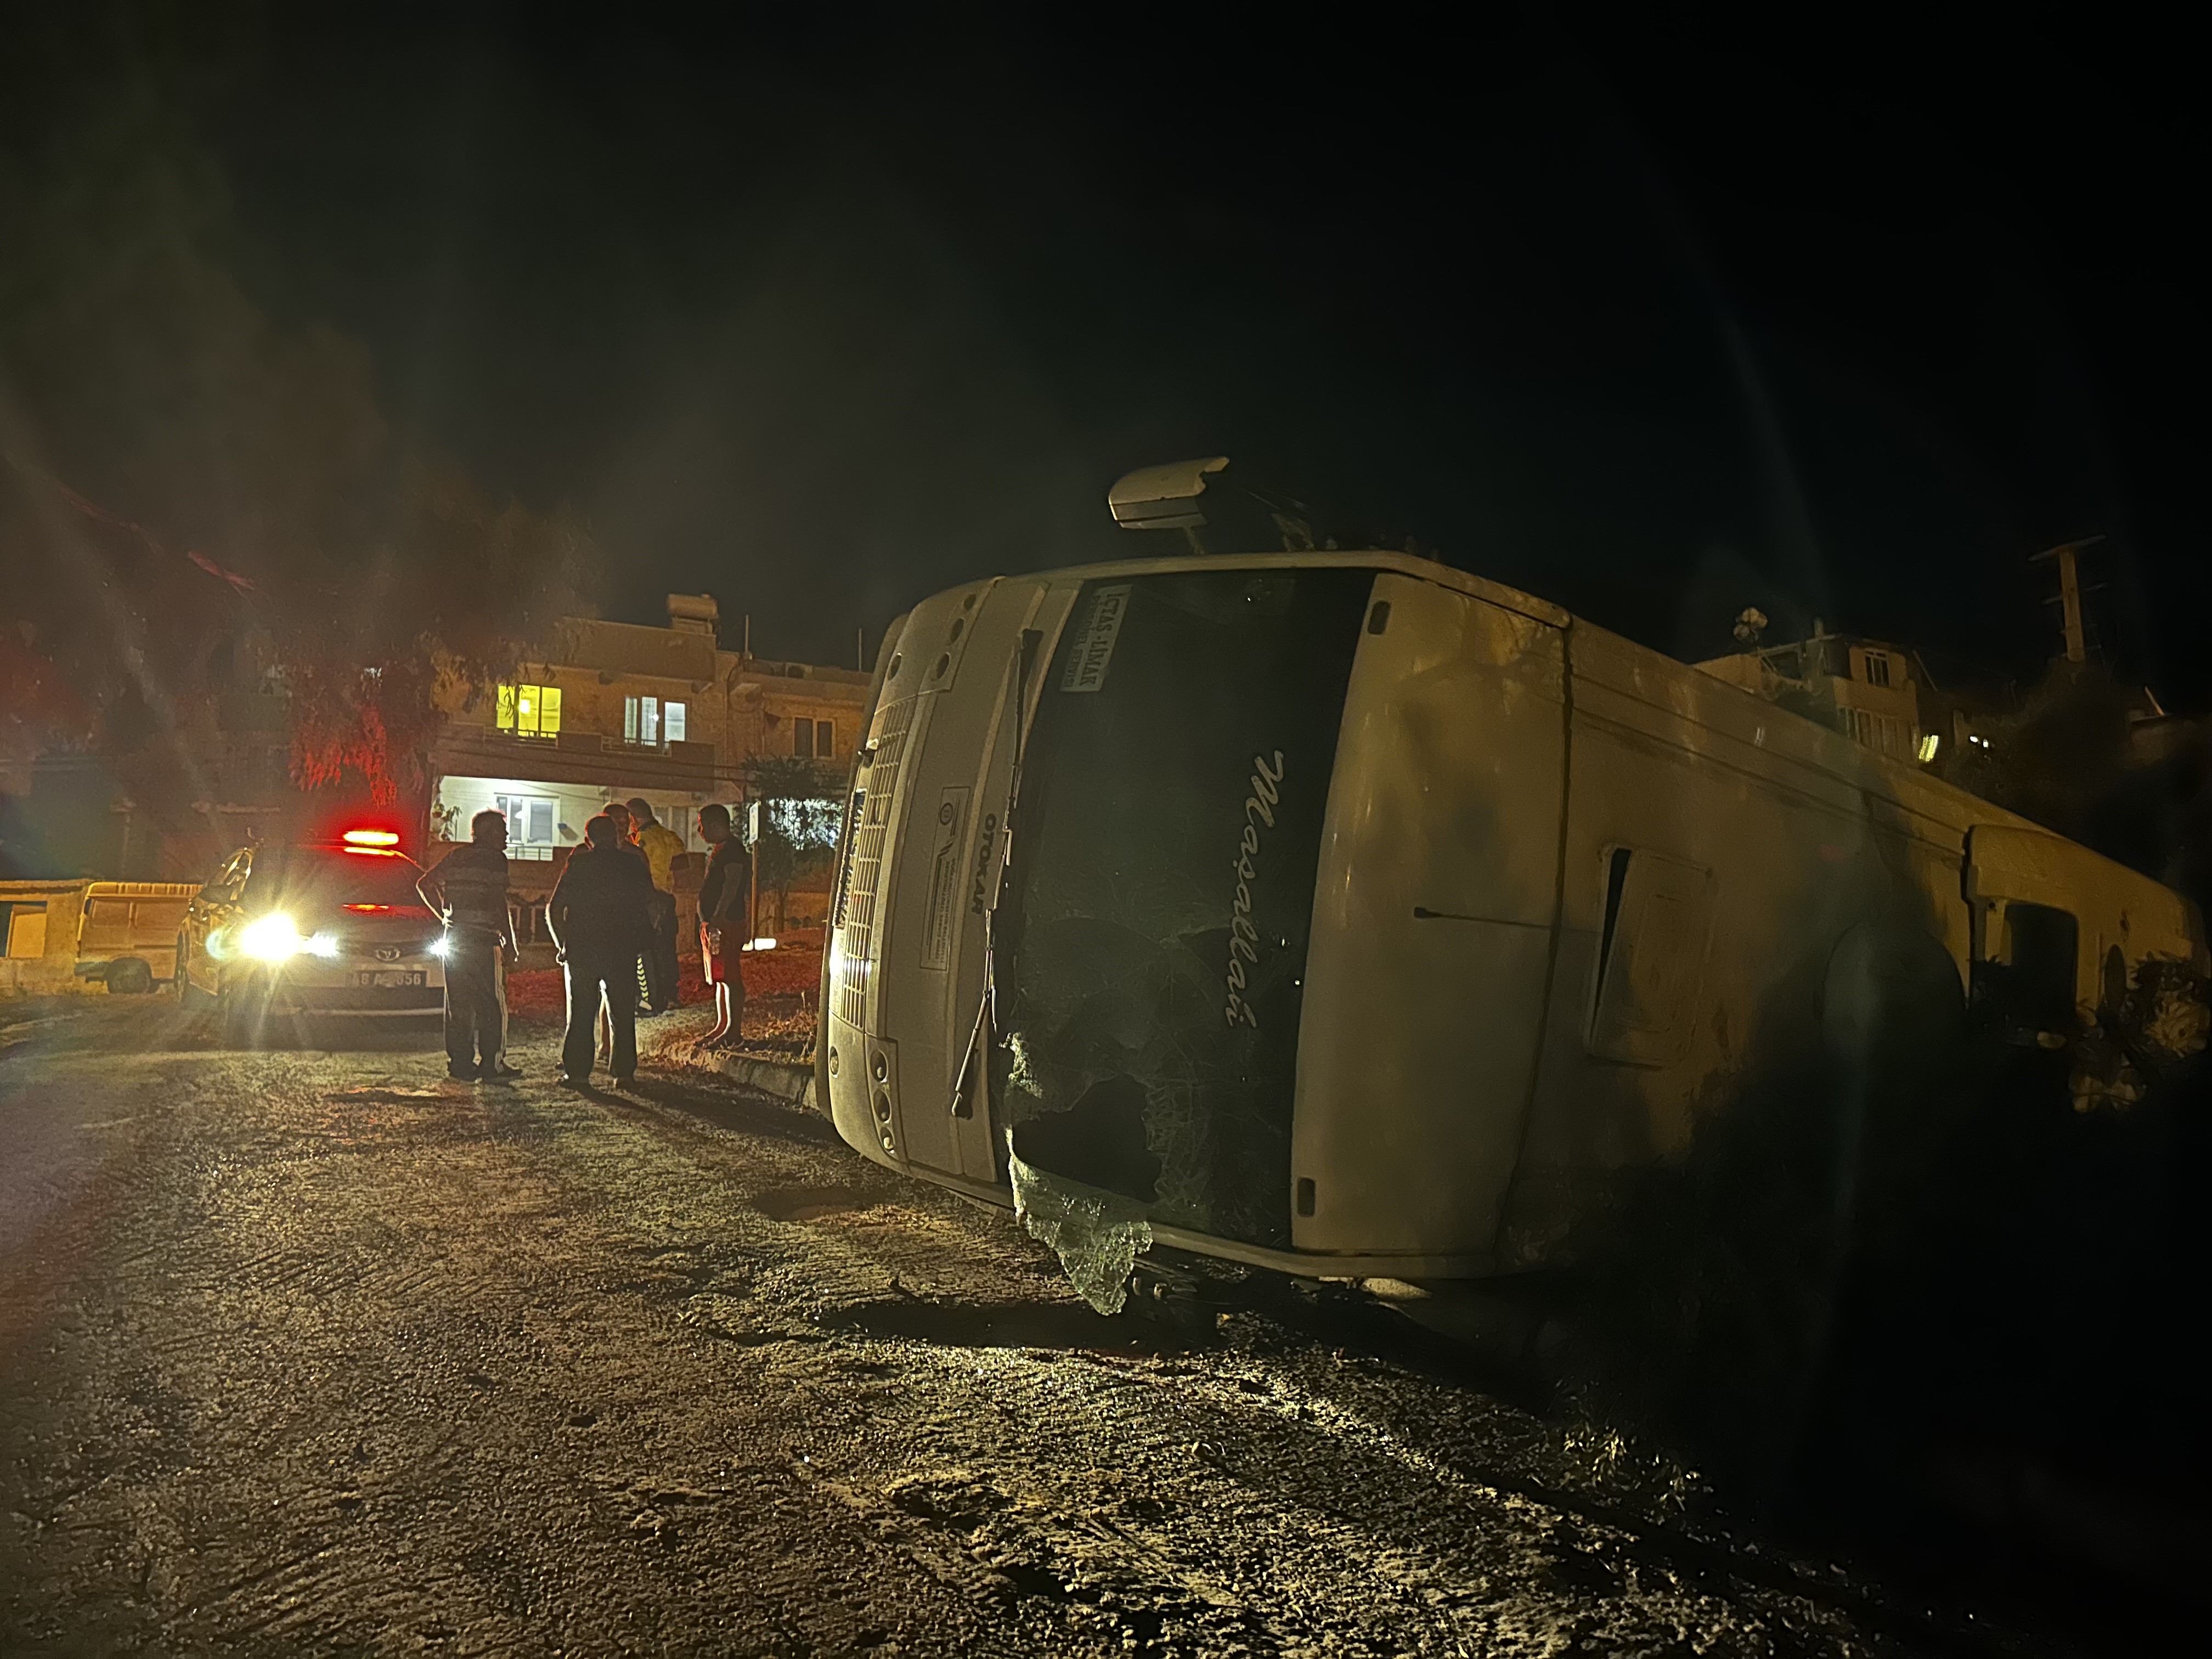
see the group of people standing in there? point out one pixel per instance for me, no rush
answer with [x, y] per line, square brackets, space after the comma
[612, 919]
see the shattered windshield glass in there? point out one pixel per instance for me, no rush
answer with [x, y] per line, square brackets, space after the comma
[1153, 935]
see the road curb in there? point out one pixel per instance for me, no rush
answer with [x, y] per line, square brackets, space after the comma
[788, 1080]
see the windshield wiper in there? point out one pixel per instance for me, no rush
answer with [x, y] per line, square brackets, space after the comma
[963, 1094]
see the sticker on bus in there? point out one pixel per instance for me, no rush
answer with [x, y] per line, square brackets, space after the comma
[1093, 649]
[945, 892]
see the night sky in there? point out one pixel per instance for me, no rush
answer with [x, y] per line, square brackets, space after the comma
[1656, 325]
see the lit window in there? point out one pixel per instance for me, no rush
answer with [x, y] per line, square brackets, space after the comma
[641, 720]
[671, 722]
[529, 824]
[530, 711]
[1929, 743]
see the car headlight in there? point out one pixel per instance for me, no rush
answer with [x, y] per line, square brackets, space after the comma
[271, 937]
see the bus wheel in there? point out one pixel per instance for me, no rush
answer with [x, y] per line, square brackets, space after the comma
[1893, 1013]
[1894, 1023]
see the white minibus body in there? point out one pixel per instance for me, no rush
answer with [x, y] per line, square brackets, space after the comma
[1362, 918]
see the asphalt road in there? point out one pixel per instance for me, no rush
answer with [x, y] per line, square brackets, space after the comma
[318, 1351]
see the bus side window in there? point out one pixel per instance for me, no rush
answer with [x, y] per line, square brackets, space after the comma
[2033, 983]
[2112, 988]
[1651, 957]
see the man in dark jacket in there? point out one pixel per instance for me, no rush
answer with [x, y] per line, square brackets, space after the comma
[468, 890]
[600, 917]
[626, 838]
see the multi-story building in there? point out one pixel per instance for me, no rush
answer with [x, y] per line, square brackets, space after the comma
[1869, 690]
[618, 710]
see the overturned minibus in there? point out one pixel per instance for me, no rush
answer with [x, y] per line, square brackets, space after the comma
[1350, 914]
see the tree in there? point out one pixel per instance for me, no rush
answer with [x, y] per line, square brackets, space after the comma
[800, 809]
[183, 477]
[2062, 755]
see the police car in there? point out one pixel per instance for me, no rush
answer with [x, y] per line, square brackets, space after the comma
[285, 934]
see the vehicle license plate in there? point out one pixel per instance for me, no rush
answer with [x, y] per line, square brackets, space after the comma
[390, 978]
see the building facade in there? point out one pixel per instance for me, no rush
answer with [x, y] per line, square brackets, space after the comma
[1869, 690]
[618, 710]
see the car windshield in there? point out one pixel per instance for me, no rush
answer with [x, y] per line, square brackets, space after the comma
[322, 882]
[1153, 936]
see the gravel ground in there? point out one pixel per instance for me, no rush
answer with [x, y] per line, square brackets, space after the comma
[309, 1351]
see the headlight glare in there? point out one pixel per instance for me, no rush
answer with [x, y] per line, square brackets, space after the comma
[271, 937]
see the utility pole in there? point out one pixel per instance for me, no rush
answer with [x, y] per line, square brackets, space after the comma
[752, 867]
[2069, 592]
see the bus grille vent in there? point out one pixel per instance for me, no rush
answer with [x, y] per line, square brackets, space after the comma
[857, 936]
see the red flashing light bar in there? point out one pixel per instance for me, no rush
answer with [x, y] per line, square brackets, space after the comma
[371, 838]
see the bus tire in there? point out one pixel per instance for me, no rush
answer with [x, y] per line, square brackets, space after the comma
[1894, 1025]
[1892, 1015]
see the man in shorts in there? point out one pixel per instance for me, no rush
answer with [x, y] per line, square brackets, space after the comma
[725, 923]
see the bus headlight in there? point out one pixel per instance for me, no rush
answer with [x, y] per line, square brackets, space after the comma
[271, 937]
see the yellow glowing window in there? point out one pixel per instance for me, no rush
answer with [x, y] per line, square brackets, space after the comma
[530, 711]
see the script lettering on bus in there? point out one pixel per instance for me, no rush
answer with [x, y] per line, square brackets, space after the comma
[1244, 939]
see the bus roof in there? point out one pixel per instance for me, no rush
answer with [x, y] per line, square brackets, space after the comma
[1404, 564]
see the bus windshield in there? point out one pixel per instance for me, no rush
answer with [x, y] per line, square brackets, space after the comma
[1152, 933]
